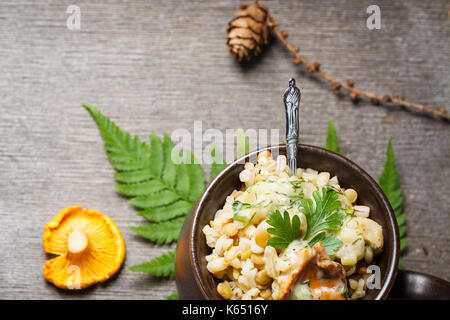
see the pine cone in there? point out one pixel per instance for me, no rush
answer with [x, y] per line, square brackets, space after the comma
[248, 33]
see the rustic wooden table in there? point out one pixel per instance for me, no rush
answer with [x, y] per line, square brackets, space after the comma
[160, 65]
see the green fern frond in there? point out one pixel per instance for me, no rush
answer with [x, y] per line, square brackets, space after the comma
[332, 143]
[155, 199]
[196, 177]
[147, 174]
[162, 232]
[140, 188]
[125, 153]
[218, 162]
[169, 175]
[162, 266]
[173, 296]
[170, 211]
[243, 147]
[390, 184]
[133, 176]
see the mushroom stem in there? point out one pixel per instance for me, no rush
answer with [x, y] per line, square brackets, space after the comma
[77, 242]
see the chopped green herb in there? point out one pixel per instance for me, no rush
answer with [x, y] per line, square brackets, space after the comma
[238, 206]
[307, 282]
[239, 218]
[302, 291]
[349, 211]
[296, 184]
[345, 292]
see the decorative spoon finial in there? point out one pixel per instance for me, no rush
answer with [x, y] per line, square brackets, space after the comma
[291, 99]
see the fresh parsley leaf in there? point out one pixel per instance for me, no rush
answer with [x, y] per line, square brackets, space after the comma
[332, 139]
[173, 296]
[162, 266]
[330, 243]
[322, 214]
[391, 186]
[284, 230]
[218, 163]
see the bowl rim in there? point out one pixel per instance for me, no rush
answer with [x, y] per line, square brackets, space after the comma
[392, 269]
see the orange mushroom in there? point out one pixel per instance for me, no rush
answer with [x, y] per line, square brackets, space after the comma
[88, 245]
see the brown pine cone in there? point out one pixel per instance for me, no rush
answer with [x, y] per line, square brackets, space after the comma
[248, 33]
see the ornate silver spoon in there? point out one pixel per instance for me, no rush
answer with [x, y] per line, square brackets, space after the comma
[291, 99]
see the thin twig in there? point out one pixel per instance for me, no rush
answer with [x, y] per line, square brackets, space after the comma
[314, 68]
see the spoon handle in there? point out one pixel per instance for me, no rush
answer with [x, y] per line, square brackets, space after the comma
[291, 99]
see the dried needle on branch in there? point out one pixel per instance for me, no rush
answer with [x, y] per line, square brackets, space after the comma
[248, 36]
[354, 93]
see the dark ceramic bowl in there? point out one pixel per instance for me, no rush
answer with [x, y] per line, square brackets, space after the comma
[193, 279]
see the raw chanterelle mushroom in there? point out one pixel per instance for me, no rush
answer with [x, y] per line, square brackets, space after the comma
[89, 246]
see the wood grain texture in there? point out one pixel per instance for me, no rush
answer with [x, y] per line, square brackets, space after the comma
[160, 65]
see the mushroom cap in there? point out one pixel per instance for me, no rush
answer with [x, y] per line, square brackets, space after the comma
[88, 245]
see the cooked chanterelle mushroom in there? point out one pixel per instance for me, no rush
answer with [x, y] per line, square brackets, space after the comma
[88, 245]
[312, 275]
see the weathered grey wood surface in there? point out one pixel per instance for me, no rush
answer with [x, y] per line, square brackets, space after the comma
[160, 65]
